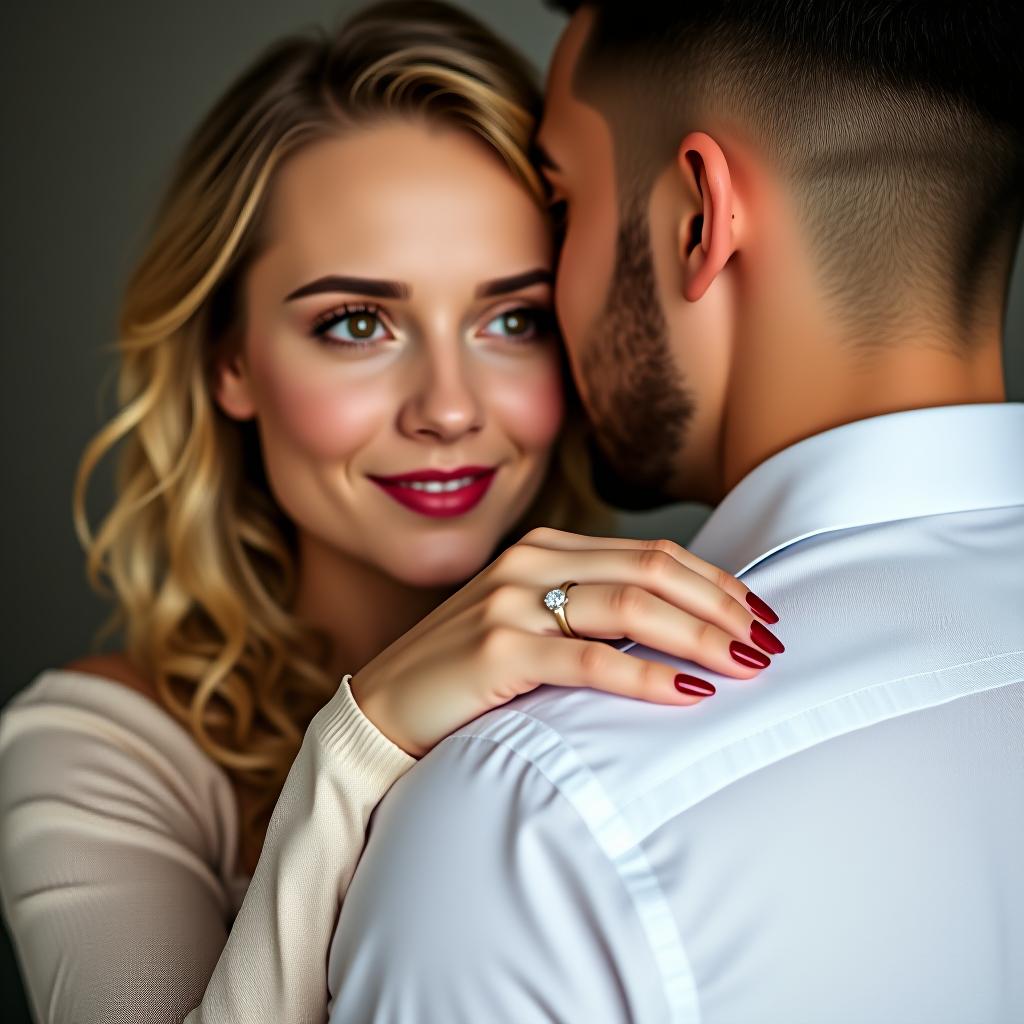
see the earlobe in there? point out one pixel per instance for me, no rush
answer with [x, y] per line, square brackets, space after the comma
[231, 388]
[707, 238]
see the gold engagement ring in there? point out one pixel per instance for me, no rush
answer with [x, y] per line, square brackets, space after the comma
[555, 601]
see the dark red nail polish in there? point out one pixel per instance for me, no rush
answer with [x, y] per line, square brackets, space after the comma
[761, 610]
[693, 686]
[766, 639]
[746, 655]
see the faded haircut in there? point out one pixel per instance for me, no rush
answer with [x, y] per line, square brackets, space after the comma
[896, 124]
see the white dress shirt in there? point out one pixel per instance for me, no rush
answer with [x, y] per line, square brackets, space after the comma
[838, 840]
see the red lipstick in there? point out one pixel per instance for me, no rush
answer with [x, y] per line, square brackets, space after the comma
[438, 492]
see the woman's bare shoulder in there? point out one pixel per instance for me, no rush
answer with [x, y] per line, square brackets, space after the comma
[118, 668]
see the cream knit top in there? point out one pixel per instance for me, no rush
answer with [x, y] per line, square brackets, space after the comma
[118, 845]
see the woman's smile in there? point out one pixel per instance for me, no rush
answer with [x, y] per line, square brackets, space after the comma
[436, 492]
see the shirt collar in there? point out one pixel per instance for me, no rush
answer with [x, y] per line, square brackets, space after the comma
[916, 463]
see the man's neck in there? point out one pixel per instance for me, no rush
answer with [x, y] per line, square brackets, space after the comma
[774, 403]
[796, 376]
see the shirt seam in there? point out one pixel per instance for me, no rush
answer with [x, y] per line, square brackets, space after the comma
[616, 840]
[808, 711]
[619, 840]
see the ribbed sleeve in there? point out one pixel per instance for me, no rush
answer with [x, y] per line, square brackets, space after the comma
[356, 745]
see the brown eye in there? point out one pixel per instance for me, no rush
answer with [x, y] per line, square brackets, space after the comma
[362, 325]
[520, 325]
[352, 327]
[515, 323]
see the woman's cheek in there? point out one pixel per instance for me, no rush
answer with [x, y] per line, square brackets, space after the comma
[326, 414]
[532, 406]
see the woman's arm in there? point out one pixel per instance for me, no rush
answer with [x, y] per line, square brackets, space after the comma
[118, 840]
[113, 868]
[274, 965]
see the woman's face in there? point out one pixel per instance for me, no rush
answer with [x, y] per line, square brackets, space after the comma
[398, 351]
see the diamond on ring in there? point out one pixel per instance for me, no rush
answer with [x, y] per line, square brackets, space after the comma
[555, 599]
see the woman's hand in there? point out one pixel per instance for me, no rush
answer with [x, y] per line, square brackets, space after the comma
[494, 639]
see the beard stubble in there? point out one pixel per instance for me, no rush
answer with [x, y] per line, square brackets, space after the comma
[638, 403]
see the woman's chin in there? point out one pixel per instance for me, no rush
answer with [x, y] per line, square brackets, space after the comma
[440, 564]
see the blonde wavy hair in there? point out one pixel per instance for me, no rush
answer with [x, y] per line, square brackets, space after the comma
[196, 553]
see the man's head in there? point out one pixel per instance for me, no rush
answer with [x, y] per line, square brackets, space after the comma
[740, 175]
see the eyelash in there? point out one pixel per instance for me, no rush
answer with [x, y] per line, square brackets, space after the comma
[326, 321]
[542, 319]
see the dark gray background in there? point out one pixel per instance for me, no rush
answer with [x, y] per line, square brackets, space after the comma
[96, 100]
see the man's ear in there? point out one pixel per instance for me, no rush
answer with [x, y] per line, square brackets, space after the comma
[231, 385]
[707, 234]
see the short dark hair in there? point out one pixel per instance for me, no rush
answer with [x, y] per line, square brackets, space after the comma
[898, 124]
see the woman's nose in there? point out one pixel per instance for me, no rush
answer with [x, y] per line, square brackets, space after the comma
[444, 405]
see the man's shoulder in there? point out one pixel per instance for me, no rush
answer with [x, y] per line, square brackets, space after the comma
[483, 854]
[872, 630]
[509, 767]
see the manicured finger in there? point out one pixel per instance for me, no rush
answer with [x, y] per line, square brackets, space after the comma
[559, 661]
[606, 611]
[562, 540]
[652, 569]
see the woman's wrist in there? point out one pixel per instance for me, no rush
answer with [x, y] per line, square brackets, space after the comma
[374, 704]
[343, 728]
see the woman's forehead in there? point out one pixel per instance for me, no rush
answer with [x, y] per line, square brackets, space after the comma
[404, 201]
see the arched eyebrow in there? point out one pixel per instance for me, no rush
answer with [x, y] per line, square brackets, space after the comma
[400, 290]
[503, 285]
[358, 285]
